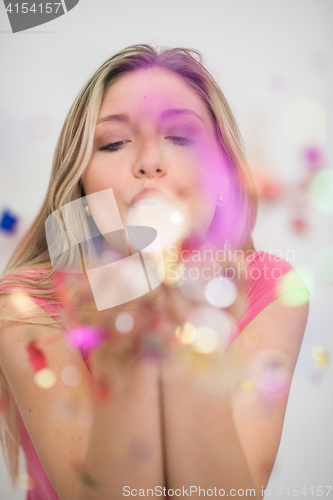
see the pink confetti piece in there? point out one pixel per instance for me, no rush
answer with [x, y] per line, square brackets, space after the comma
[86, 338]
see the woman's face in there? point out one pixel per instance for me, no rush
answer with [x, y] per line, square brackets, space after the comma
[155, 134]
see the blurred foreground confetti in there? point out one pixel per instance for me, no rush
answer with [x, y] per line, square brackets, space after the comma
[8, 222]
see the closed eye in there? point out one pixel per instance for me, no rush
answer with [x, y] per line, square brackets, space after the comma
[180, 141]
[114, 146]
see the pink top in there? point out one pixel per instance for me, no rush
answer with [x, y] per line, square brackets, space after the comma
[262, 286]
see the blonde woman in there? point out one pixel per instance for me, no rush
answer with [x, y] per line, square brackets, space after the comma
[150, 125]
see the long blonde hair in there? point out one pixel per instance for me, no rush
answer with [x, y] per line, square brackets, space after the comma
[72, 154]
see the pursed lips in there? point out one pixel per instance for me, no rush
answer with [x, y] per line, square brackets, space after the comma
[147, 193]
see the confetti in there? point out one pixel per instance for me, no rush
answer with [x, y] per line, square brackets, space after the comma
[88, 480]
[84, 476]
[86, 338]
[314, 158]
[320, 357]
[102, 392]
[36, 357]
[8, 222]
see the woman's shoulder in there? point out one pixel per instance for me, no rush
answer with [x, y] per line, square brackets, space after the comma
[267, 271]
[24, 286]
[267, 277]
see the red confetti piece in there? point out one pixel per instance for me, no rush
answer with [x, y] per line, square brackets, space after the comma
[36, 357]
[102, 391]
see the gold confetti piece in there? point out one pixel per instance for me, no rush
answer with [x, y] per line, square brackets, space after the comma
[320, 357]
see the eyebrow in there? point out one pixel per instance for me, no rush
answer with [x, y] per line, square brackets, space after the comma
[168, 113]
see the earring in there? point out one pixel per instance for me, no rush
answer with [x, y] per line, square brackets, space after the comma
[87, 210]
[221, 199]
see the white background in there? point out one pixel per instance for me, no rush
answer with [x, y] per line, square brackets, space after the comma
[265, 54]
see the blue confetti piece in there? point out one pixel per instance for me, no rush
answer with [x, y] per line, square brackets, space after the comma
[8, 222]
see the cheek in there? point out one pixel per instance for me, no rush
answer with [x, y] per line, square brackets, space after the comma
[97, 177]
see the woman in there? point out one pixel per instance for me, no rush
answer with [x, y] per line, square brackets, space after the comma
[151, 126]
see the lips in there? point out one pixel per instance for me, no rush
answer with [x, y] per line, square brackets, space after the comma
[146, 193]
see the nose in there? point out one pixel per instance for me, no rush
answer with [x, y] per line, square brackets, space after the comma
[149, 162]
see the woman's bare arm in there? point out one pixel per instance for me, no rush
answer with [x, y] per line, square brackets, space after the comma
[125, 447]
[231, 440]
[129, 422]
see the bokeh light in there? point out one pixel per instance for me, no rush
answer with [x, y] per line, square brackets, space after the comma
[274, 382]
[20, 301]
[220, 292]
[321, 191]
[186, 333]
[218, 320]
[124, 322]
[45, 378]
[206, 340]
[71, 376]
[292, 282]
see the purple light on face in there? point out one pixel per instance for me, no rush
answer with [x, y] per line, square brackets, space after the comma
[219, 179]
[86, 338]
[274, 382]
